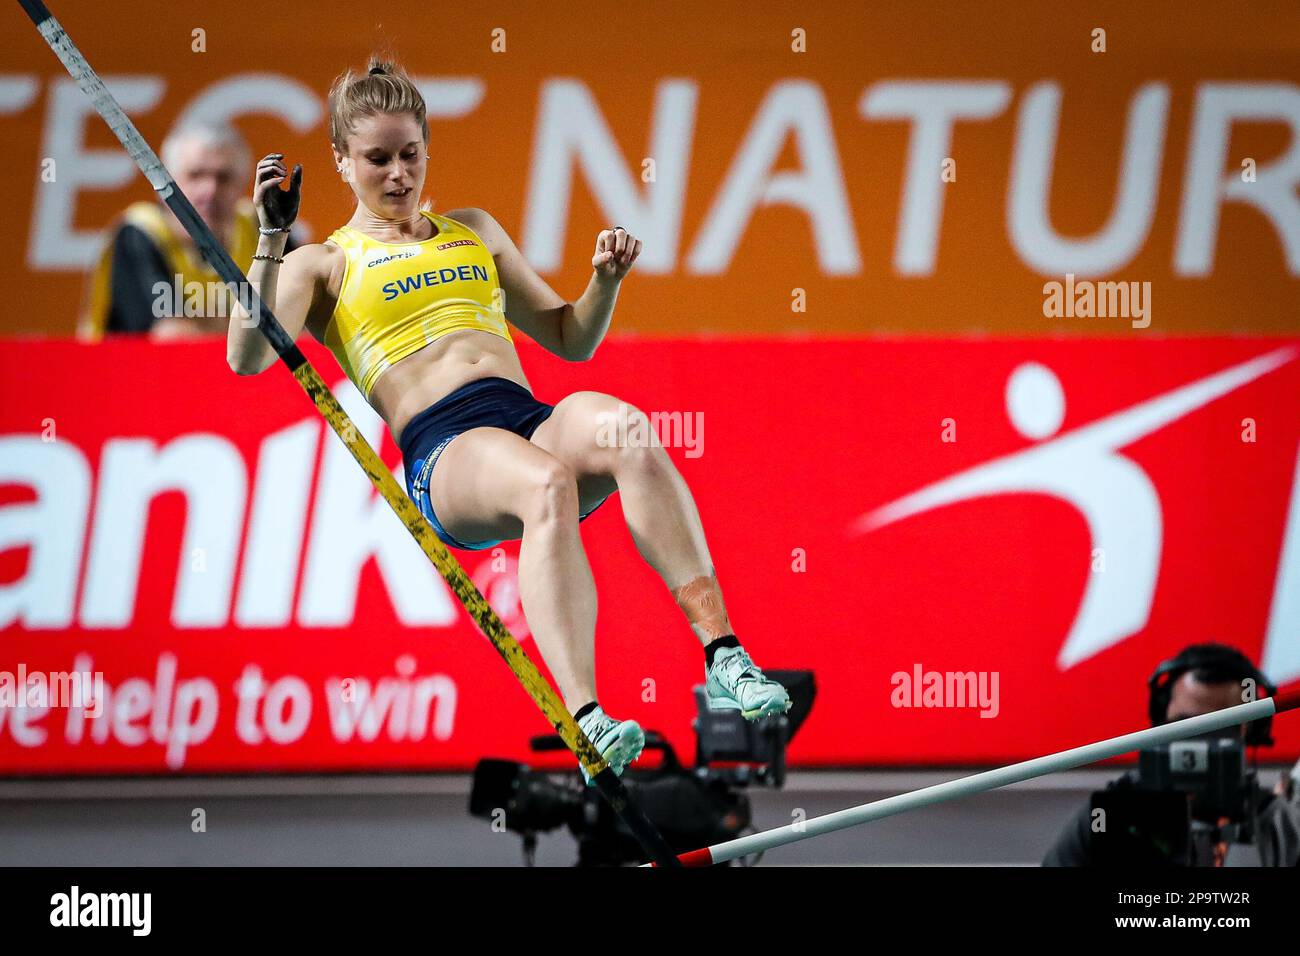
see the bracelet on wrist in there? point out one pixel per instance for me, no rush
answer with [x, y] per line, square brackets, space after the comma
[272, 230]
[271, 258]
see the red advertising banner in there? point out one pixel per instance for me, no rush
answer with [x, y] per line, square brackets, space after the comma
[1052, 518]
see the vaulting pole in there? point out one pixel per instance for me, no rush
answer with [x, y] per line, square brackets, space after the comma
[611, 787]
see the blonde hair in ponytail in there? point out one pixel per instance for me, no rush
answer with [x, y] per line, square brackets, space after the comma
[383, 88]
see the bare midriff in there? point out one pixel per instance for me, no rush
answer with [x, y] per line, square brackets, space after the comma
[438, 369]
[434, 372]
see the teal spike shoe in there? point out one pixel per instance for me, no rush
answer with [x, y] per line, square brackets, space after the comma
[734, 682]
[618, 741]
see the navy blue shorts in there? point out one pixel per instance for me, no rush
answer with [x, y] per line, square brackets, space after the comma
[486, 402]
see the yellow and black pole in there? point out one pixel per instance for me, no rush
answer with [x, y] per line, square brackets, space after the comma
[605, 779]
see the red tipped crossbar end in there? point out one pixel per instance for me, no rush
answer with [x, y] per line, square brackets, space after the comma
[694, 858]
[1288, 701]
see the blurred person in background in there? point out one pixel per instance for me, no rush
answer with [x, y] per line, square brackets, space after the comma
[1289, 785]
[1203, 678]
[150, 278]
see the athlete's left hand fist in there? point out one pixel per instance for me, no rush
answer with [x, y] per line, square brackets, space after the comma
[616, 250]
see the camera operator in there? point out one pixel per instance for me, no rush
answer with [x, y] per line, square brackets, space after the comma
[1203, 678]
[1289, 785]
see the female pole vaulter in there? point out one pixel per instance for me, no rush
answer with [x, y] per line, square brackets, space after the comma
[415, 305]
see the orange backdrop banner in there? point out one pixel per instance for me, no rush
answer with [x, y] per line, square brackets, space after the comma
[947, 168]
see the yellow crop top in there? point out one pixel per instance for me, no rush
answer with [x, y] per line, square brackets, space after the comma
[396, 298]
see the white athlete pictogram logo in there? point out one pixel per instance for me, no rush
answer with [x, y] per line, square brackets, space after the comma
[1085, 468]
